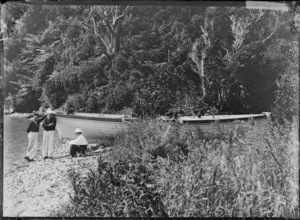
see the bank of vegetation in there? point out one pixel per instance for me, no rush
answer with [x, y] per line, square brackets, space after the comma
[151, 58]
[158, 170]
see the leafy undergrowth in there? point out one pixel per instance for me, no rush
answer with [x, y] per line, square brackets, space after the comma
[160, 169]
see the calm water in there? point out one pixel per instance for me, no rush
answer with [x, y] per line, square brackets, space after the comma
[16, 141]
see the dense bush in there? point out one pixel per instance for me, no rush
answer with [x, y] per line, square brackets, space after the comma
[286, 105]
[55, 93]
[158, 92]
[118, 98]
[76, 102]
[27, 100]
[163, 169]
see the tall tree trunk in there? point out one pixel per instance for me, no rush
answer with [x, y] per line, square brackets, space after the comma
[111, 17]
[115, 39]
[204, 43]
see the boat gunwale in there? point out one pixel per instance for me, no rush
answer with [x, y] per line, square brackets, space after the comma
[246, 118]
[93, 118]
[183, 120]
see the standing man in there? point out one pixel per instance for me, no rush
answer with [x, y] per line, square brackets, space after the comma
[33, 131]
[49, 125]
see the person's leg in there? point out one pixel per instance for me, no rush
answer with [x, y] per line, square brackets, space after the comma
[83, 148]
[45, 143]
[73, 150]
[51, 143]
[35, 145]
[32, 144]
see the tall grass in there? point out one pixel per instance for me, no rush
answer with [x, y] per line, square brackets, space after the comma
[250, 175]
[164, 169]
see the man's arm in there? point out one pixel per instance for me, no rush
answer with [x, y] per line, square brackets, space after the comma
[53, 123]
[76, 141]
[41, 118]
[45, 123]
[29, 127]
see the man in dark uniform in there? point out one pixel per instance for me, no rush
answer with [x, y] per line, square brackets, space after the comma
[33, 131]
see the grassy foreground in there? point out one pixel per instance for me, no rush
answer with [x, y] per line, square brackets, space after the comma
[159, 169]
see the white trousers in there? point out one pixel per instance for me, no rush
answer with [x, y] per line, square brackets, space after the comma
[32, 144]
[48, 142]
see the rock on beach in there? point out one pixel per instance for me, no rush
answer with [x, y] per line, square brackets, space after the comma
[42, 187]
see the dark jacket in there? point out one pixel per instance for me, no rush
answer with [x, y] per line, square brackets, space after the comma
[34, 125]
[49, 124]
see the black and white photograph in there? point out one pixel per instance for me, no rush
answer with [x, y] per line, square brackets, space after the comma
[150, 109]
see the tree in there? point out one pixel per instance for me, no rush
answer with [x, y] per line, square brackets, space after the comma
[108, 18]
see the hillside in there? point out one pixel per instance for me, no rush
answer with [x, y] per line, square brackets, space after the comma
[218, 60]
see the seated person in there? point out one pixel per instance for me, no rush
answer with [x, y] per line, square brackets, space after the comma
[78, 145]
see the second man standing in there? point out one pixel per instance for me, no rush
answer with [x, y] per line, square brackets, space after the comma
[49, 125]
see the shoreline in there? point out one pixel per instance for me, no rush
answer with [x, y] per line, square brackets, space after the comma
[42, 187]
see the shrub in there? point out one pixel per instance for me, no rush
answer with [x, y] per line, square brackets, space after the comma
[286, 105]
[55, 93]
[118, 97]
[116, 189]
[27, 99]
[157, 93]
[10, 102]
[76, 102]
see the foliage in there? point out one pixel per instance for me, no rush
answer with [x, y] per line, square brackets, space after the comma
[27, 99]
[158, 93]
[163, 169]
[286, 104]
[10, 102]
[76, 102]
[55, 93]
[154, 58]
[287, 98]
[94, 101]
[119, 97]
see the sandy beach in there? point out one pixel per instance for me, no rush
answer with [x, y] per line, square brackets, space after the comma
[42, 187]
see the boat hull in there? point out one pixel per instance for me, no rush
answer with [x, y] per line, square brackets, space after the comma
[222, 121]
[94, 127]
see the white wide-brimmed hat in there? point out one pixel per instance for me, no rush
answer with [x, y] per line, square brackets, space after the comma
[49, 111]
[78, 130]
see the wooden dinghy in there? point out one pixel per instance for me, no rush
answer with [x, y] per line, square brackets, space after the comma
[94, 126]
[208, 122]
